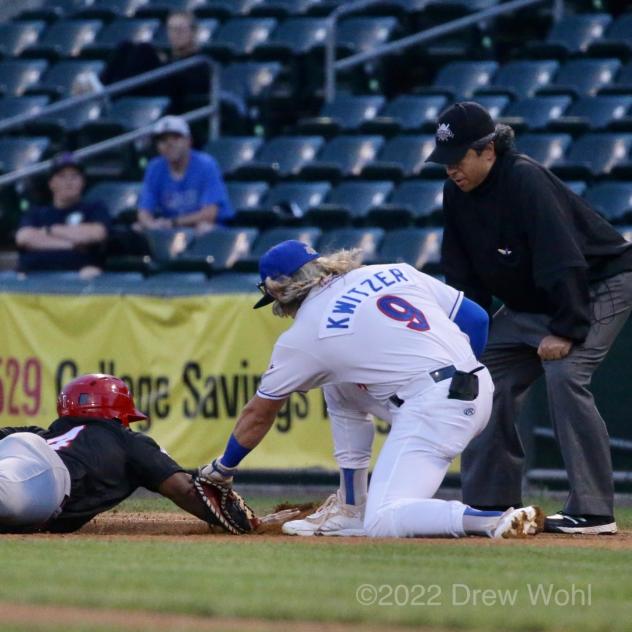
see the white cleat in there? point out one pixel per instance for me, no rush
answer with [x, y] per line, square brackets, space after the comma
[519, 523]
[332, 518]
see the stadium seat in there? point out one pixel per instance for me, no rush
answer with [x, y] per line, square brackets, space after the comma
[594, 113]
[595, 155]
[420, 247]
[126, 113]
[349, 202]
[224, 9]
[345, 113]
[250, 263]
[65, 38]
[16, 36]
[343, 156]
[295, 36]
[121, 29]
[535, 113]
[366, 239]
[572, 35]
[459, 80]
[281, 157]
[407, 113]
[162, 8]
[613, 200]
[204, 33]
[167, 244]
[522, 78]
[400, 157]
[495, 104]
[60, 125]
[17, 106]
[303, 194]
[17, 75]
[356, 35]
[450, 9]
[59, 79]
[416, 201]
[120, 198]
[108, 10]
[48, 12]
[250, 80]
[286, 203]
[216, 250]
[17, 153]
[576, 186]
[626, 231]
[617, 41]
[246, 195]
[283, 8]
[583, 77]
[622, 84]
[231, 152]
[239, 37]
[547, 149]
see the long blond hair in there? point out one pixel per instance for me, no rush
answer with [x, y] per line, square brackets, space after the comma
[289, 292]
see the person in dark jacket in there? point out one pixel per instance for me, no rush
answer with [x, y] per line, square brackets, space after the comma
[515, 232]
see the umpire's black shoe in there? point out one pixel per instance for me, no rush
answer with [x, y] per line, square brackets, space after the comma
[590, 525]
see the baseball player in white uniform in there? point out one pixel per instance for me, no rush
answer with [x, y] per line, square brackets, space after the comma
[389, 330]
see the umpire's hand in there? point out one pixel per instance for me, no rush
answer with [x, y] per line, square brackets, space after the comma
[554, 347]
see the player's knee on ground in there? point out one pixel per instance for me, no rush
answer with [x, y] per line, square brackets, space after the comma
[380, 524]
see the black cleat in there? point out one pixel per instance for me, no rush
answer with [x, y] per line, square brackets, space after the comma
[590, 525]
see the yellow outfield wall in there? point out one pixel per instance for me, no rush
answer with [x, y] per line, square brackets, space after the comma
[191, 362]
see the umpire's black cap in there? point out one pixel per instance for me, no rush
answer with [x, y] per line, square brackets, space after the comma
[458, 127]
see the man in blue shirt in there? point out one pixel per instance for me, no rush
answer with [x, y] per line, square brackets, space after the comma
[71, 233]
[182, 187]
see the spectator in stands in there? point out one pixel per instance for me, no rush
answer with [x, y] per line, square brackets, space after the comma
[182, 187]
[516, 232]
[70, 233]
[182, 34]
[182, 31]
[134, 58]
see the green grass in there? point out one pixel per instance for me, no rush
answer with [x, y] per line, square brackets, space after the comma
[304, 580]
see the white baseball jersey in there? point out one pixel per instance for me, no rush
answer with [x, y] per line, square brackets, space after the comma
[384, 327]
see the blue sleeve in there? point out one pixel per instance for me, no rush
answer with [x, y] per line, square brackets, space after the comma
[148, 198]
[215, 192]
[473, 320]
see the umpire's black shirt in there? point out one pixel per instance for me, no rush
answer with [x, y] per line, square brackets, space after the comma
[527, 239]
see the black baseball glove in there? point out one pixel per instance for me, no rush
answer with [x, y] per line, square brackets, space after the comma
[225, 507]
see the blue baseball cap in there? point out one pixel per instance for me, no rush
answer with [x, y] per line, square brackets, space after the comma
[284, 259]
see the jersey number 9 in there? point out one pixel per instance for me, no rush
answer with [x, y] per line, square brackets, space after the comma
[400, 309]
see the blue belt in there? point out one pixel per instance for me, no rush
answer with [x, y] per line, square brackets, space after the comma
[438, 375]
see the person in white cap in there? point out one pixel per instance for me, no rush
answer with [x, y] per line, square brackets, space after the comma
[409, 343]
[183, 187]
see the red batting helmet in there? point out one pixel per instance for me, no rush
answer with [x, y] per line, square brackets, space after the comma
[98, 395]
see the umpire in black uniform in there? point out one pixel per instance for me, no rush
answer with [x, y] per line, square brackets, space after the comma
[514, 231]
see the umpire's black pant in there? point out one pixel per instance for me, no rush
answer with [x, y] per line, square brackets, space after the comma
[492, 465]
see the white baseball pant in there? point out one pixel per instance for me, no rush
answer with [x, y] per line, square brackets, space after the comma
[427, 433]
[33, 480]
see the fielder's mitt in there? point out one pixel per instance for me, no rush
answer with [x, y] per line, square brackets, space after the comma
[225, 507]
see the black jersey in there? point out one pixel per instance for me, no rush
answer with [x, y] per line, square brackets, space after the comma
[526, 238]
[106, 461]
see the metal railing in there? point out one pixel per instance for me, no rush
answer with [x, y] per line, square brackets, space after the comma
[98, 148]
[332, 67]
[212, 111]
